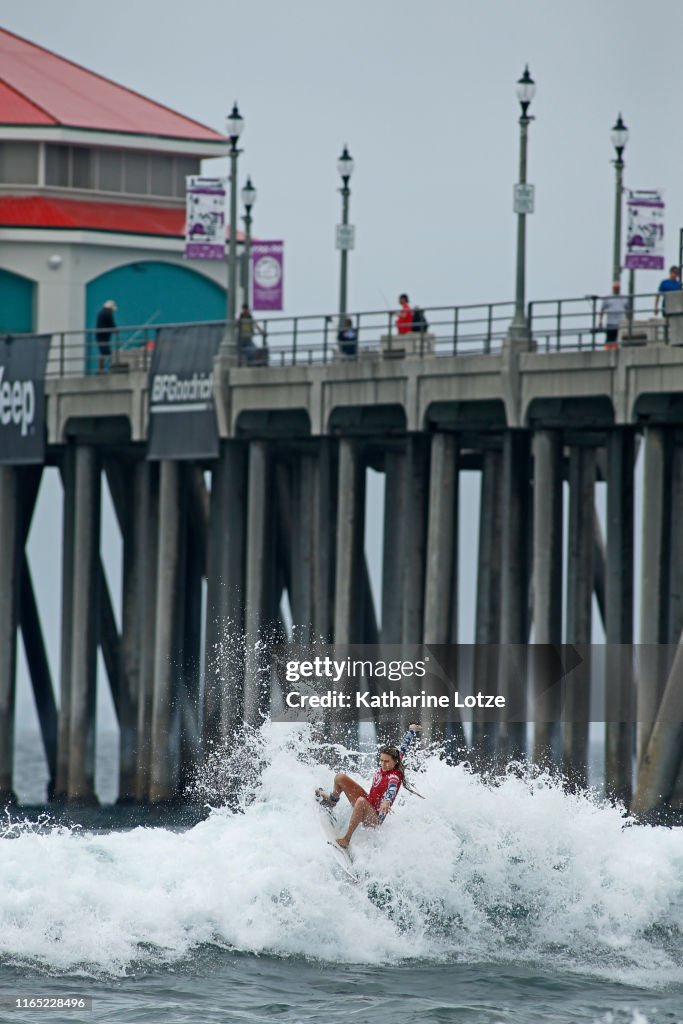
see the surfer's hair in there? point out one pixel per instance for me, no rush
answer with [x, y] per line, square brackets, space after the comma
[395, 753]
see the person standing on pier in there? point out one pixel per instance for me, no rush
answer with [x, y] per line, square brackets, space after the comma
[672, 283]
[105, 326]
[347, 337]
[404, 318]
[614, 306]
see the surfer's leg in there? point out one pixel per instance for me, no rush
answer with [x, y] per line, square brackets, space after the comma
[353, 790]
[363, 813]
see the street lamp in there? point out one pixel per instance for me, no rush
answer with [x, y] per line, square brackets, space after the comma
[234, 124]
[344, 231]
[619, 137]
[248, 198]
[519, 331]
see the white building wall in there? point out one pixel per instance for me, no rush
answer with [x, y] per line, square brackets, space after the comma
[62, 263]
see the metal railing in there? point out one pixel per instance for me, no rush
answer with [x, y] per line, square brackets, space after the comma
[566, 324]
[573, 324]
[477, 329]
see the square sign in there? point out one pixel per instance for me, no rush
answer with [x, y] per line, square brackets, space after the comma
[524, 199]
[346, 236]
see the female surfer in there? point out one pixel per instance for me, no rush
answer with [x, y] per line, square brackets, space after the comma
[370, 809]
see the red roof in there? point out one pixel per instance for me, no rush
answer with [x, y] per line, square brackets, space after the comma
[81, 215]
[37, 87]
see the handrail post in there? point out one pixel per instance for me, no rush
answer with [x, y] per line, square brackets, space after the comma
[294, 340]
[456, 316]
[558, 323]
[488, 329]
[594, 319]
[530, 321]
[61, 354]
[326, 330]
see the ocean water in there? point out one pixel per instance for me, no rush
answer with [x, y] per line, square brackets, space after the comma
[485, 903]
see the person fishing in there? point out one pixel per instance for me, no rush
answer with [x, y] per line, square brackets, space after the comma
[370, 809]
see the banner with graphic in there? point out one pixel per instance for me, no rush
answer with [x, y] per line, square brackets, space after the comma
[205, 218]
[645, 230]
[22, 398]
[182, 413]
[267, 275]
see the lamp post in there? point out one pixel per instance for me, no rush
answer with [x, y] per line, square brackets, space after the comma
[248, 198]
[344, 232]
[519, 331]
[619, 139]
[234, 124]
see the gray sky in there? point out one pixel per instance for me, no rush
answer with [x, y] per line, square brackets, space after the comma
[424, 95]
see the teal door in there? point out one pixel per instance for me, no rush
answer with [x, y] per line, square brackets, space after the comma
[16, 303]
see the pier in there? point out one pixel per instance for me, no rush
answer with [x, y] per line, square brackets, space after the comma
[218, 522]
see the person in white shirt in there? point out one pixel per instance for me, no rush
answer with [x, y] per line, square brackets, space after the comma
[613, 311]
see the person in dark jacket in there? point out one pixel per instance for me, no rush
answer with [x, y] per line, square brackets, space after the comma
[347, 336]
[105, 326]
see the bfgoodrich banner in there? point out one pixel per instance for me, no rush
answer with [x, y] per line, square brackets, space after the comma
[22, 398]
[182, 415]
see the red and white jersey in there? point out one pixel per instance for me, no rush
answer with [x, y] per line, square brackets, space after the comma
[381, 783]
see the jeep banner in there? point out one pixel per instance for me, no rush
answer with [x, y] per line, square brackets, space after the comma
[182, 415]
[22, 398]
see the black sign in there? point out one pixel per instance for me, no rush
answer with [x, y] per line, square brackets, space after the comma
[22, 398]
[182, 415]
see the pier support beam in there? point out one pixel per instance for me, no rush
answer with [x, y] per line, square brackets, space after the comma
[487, 620]
[619, 695]
[258, 577]
[10, 569]
[514, 611]
[660, 764]
[68, 475]
[225, 595]
[654, 582]
[147, 509]
[348, 598]
[414, 547]
[85, 625]
[324, 540]
[393, 542]
[580, 578]
[442, 539]
[163, 785]
[302, 504]
[547, 583]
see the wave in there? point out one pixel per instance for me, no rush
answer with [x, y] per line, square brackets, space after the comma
[514, 870]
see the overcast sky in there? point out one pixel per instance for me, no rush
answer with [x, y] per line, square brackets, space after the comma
[424, 96]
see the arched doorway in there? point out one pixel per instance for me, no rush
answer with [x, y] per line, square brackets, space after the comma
[150, 293]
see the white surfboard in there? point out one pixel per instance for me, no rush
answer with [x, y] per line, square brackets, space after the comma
[330, 830]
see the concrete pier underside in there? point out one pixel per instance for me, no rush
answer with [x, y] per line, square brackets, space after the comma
[210, 547]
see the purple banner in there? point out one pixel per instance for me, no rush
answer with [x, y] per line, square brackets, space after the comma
[205, 218]
[645, 230]
[267, 275]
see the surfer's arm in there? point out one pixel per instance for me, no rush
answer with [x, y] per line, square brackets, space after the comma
[387, 800]
[407, 740]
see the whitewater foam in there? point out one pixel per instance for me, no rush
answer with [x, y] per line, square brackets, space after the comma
[516, 871]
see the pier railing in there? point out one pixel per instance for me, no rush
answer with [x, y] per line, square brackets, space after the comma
[563, 324]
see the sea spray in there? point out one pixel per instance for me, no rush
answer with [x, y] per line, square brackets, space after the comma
[511, 871]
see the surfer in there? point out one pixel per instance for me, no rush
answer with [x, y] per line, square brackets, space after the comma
[370, 809]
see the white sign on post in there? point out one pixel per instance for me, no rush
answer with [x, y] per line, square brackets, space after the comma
[346, 236]
[524, 199]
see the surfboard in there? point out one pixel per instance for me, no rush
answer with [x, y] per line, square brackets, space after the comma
[330, 830]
